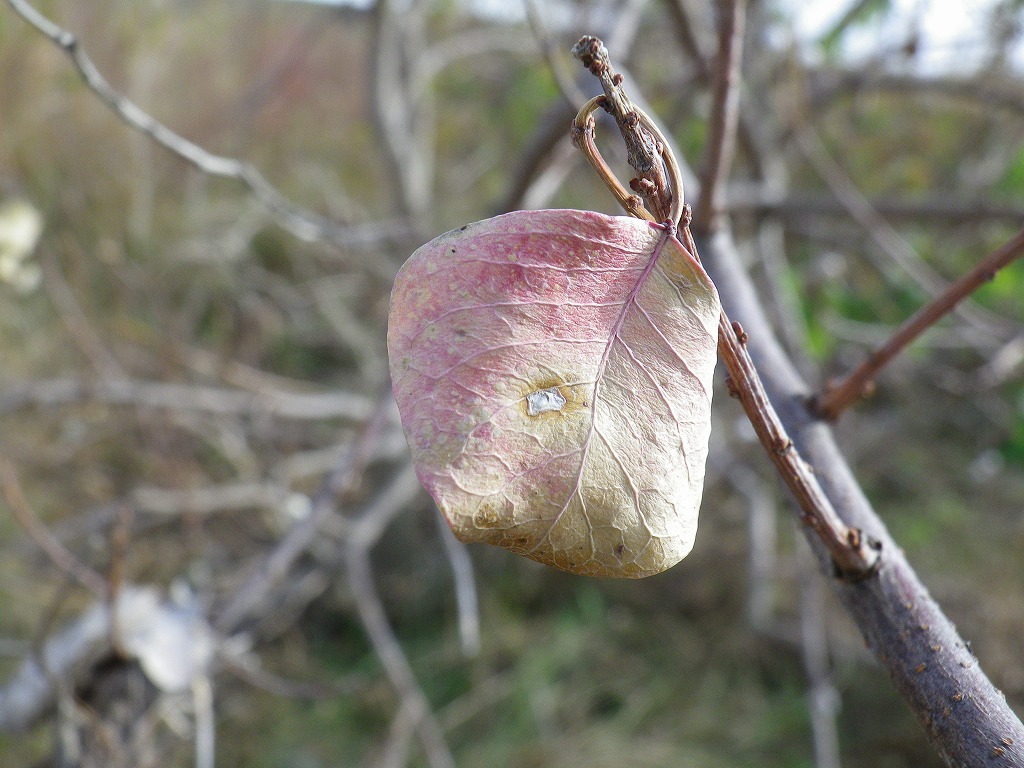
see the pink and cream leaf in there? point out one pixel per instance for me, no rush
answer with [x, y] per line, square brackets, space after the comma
[553, 374]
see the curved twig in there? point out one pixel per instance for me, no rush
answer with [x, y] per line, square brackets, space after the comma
[583, 138]
[583, 129]
[302, 223]
[642, 149]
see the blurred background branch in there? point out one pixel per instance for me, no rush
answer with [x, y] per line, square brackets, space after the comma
[194, 363]
[300, 222]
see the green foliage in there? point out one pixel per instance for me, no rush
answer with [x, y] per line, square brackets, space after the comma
[1012, 182]
[860, 13]
[1012, 449]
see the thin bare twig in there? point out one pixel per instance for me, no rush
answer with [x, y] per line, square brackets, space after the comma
[689, 39]
[724, 117]
[859, 382]
[208, 500]
[466, 44]
[389, 651]
[762, 533]
[566, 84]
[399, 739]
[120, 539]
[945, 210]
[187, 397]
[59, 555]
[205, 729]
[823, 697]
[341, 479]
[76, 321]
[854, 557]
[541, 150]
[465, 587]
[369, 526]
[302, 223]
[250, 671]
[885, 236]
[402, 110]
[752, 131]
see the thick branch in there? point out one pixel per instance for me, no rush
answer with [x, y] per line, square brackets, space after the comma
[967, 719]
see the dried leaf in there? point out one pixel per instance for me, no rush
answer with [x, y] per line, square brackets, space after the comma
[553, 373]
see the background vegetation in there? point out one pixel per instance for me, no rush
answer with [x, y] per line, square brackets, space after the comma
[863, 181]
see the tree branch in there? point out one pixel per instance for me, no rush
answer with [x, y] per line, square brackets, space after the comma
[389, 651]
[187, 397]
[885, 236]
[68, 654]
[966, 718]
[944, 210]
[465, 587]
[277, 563]
[724, 117]
[302, 223]
[643, 151]
[852, 555]
[568, 87]
[59, 555]
[860, 382]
